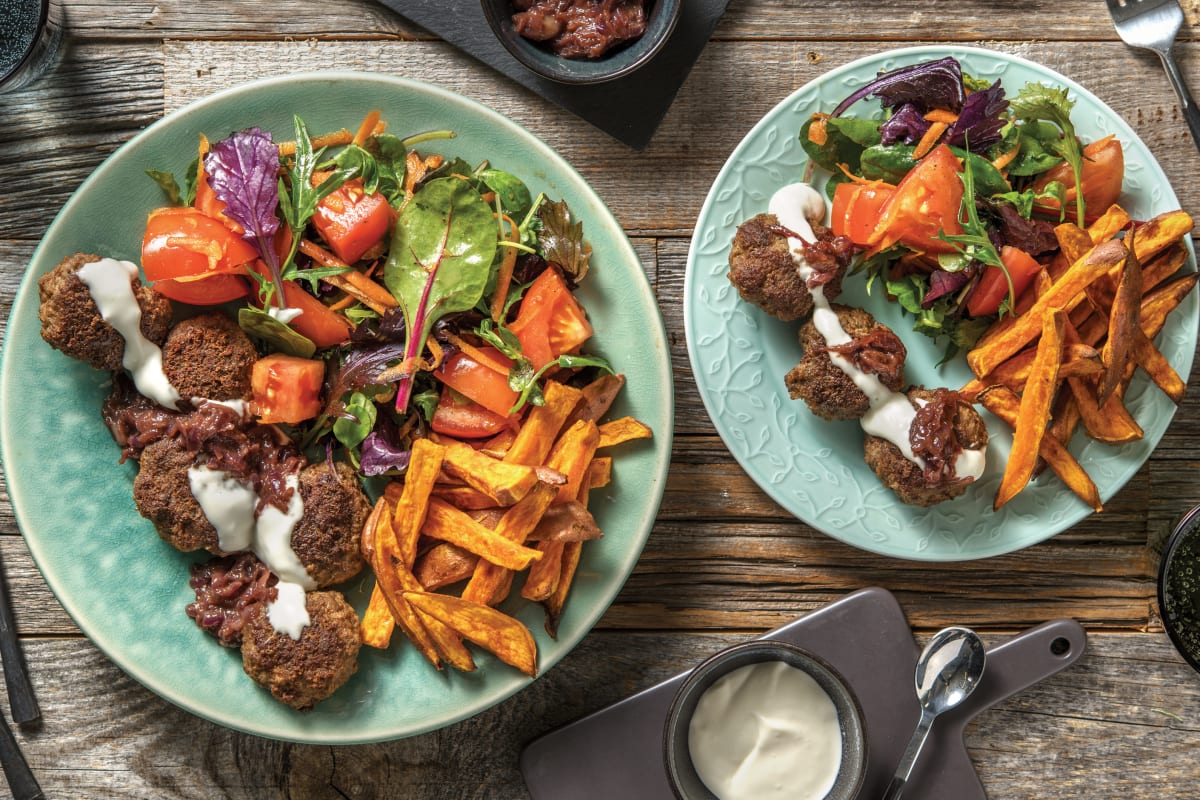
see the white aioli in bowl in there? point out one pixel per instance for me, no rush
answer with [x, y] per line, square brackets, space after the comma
[766, 731]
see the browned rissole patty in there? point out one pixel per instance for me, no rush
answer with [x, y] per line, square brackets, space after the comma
[303, 672]
[763, 270]
[209, 356]
[907, 479]
[163, 495]
[821, 384]
[326, 539]
[71, 322]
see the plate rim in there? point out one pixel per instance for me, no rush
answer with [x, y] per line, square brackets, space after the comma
[765, 123]
[663, 399]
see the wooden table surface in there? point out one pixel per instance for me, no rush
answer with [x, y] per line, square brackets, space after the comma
[723, 562]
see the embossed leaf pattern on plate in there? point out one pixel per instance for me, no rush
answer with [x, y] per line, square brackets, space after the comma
[814, 469]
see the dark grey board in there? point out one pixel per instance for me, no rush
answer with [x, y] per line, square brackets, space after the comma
[629, 109]
[616, 752]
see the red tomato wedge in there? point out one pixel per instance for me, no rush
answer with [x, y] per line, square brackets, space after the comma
[351, 221]
[286, 388]
[193, 258]
[478, 381]
[1101, 176]
[550, 321]
[992, 288]
[462, 418]
[207, 203]
[927, 201]
[857, 208]
[316, 321]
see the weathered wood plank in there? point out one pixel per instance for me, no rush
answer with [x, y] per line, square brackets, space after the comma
[697, 134]
[60, 129]
[52, 150]
[972, 21]
[104, 735]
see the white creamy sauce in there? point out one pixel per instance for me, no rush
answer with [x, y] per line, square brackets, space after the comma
[766, 731]
[239, 407]
[891, 414]
[228, 503]
[111, 287]
[284, 315]
[230, 506]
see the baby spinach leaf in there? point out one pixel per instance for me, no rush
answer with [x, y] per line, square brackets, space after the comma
[258, 324]
[514, 195]
[441, 252]
[845, 140]
[359, 419]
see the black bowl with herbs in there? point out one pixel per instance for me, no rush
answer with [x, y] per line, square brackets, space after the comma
[577, 46]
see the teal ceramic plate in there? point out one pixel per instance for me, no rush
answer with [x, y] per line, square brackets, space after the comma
[127, 590]
[815, 469]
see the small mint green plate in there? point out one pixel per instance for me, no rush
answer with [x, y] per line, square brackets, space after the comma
[127, 590]
[815, 469]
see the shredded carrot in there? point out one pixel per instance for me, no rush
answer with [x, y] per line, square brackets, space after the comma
[437, 352]
[367, 128]
[352, 282]
[941, 115]
[859, 179]
[929, 139]
[475, 354]
[1004, 159]
[818, 132]
[343, 303]
[335, 139]
[505, 272]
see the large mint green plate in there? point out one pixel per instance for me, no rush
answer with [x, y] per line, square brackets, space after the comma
[127, 590]
[815, 469]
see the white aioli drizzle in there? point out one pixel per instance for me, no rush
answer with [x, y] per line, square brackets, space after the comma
[284, 315]
[239, 407]
[891, 414]
[229, 504]
[111, 287]
[766, 731]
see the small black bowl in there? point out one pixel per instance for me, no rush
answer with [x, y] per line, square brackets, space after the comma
[680, 771]
[616, 63]
[1179, 587]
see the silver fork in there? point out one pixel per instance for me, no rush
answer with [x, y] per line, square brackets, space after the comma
[1152, 25]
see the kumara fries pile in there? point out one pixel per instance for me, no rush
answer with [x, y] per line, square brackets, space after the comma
[1067, 354]
[519, 504]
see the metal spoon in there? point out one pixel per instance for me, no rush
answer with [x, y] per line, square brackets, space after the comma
[948, 671]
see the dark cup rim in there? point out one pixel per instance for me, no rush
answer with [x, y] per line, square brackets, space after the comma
[675, 727]
[1188, 524]
[664, 15]
[19, 67]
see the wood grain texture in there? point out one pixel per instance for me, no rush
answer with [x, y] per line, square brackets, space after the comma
[724, 562]
[104, 735]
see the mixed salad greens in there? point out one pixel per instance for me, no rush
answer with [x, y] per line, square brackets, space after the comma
[953, 192]
[392, 293]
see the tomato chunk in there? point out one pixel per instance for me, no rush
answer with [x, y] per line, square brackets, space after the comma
[927, 202]
[1101, 176]
[857, 208]
[463, 418]
[992, 288]
[286, 388]
[478, 381]
[323, 326]
[551, 321]
[191, 257]
[351, 221]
